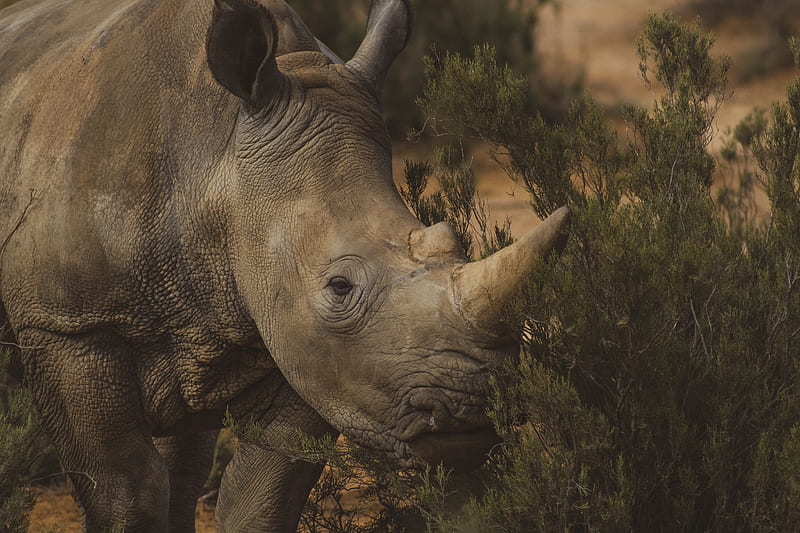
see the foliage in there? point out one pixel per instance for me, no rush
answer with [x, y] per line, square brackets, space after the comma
[659, 386]
[775, 477]
[19, 436]
[456, 202]
[223, 452]
[736, 198]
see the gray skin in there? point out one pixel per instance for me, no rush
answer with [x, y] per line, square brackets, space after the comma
[198, 215]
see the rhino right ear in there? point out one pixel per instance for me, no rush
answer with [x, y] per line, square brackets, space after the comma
[240, 48]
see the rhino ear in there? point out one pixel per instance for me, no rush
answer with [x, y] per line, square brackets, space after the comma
[388, 30]
[240, 48]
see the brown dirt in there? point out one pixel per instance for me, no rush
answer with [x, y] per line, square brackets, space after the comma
[591, 39]
[55, 507]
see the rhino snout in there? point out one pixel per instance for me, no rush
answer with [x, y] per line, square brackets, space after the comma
[454, 444]
[443, 425]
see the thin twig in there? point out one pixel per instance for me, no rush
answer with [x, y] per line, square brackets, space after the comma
[67, 472]
[699, 327]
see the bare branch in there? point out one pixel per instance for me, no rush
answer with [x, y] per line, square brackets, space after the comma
[68, 472]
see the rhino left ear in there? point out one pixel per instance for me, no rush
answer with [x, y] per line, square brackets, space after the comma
[240, 48]
[388, 30]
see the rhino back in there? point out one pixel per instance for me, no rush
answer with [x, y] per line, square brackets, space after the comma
[113, 134]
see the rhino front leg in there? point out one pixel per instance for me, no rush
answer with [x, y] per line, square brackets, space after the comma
[87, 394]
[189, 457]
[263, 490]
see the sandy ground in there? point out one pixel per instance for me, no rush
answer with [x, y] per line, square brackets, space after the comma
[593, 39]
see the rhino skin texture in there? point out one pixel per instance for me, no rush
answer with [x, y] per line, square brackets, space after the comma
[198, 215]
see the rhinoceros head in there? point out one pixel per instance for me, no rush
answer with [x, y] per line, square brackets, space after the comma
[378, 322]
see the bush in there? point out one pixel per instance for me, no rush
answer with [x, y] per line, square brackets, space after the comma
[20, 447]
[658, 389]
[360, 491]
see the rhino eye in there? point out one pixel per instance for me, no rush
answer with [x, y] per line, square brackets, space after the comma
[340, 286]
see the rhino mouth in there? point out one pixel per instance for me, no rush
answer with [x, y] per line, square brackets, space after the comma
[435, 436]
[461, 451]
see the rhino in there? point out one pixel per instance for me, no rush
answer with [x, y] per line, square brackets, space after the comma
[199, 217]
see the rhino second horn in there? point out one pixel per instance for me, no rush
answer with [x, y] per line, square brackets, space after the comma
[483, 289]
[435, 244]
[388, 30]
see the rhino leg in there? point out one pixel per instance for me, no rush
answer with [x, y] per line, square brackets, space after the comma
[189, 458]
[262, 490]
[86, 392]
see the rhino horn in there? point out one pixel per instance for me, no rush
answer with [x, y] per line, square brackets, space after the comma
[388, 30]
[435, 244]
[241, 47]
[483, 289]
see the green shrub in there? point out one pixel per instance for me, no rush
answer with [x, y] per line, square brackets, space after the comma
[658, 389]
[223, 452]
[360, 491]
[19, 438]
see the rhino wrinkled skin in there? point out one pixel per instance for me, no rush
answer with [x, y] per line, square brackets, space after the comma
[198, 215]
